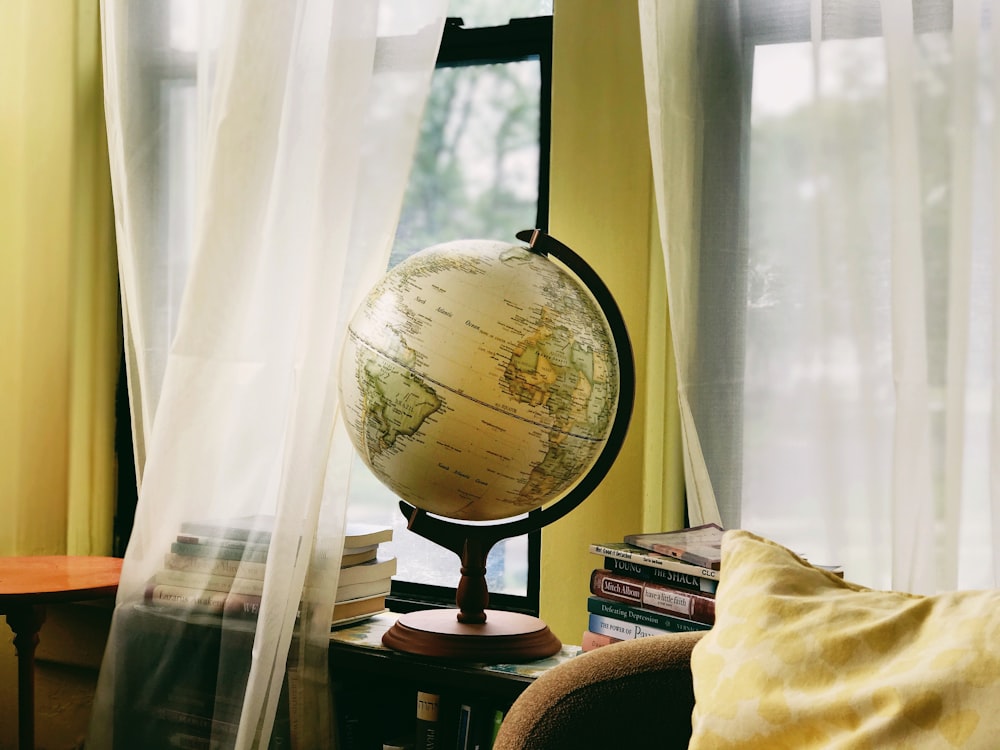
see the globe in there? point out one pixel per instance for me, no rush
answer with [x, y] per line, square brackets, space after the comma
[479, 380]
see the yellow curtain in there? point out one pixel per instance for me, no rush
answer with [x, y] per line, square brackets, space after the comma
[601, 204]
[58, 284]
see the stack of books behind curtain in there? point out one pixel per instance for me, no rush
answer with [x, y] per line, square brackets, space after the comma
[218, 568]
[651, 584]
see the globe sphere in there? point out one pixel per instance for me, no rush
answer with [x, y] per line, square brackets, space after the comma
[479, 380]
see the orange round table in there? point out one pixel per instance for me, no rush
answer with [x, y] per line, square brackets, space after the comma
[27, 585]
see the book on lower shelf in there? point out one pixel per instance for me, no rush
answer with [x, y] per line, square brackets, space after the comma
[465, 739]
[498, 717]
[427, 722]
[354, 610]
[170, 695]
[478, 725]
[473, 697]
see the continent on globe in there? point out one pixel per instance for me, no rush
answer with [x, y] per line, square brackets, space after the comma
[396, 403]
[479, 380]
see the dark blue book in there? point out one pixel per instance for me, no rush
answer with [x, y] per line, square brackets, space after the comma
[639, 616]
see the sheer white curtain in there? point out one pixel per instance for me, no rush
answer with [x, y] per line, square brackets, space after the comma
[259, 155]
[838, 334]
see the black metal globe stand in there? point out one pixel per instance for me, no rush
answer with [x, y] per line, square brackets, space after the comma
[473, 632]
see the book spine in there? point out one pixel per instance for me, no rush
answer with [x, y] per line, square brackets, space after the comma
[660, 575]
[215, 541]
[207, 602]
[498, 717]
[621, 630]
[220, 531]
[653, 596]
[185, 741]
[191, 580]
[350, 560]
[464, 739]
[654, 560]
[629, 613]
[368, 571]
[250, 554]
[592, 640]
[365, 589]
[428, 710]
[214, 566]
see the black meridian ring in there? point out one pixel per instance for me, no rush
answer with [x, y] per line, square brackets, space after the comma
[453, 534]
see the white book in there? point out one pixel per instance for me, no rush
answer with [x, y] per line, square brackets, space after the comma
[208, 582]
[383, 567]
[214, 566]
[623, 631]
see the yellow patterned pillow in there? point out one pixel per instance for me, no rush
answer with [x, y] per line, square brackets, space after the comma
[799, 659]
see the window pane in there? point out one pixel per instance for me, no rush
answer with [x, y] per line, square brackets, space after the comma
[818, 382]
[475, 175]
[819, 393]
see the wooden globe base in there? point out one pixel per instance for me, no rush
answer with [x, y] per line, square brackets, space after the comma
[504, 637]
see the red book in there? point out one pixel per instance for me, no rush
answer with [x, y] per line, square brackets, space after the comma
[653, 596]
[592, 640]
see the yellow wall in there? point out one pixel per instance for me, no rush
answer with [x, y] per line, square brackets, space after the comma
[601, 206]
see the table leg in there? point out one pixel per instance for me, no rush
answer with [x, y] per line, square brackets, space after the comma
[26, 621]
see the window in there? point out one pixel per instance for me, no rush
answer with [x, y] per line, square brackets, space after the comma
[480, 171]
[798, 167]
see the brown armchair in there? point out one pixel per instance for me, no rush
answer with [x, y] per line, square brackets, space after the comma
[615, 696]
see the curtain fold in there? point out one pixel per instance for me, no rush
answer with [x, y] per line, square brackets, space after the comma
[676, 108]
[259, 157]
[855, 321]
[911, 475]
[58, 311]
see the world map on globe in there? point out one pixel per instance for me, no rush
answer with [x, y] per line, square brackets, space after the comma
[479, 380]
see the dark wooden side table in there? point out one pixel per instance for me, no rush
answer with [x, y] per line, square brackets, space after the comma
[375, 686]
[27, 585]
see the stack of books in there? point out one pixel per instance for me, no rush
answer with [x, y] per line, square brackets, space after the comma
[218, 568]
[651, 584]
[365, 575]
